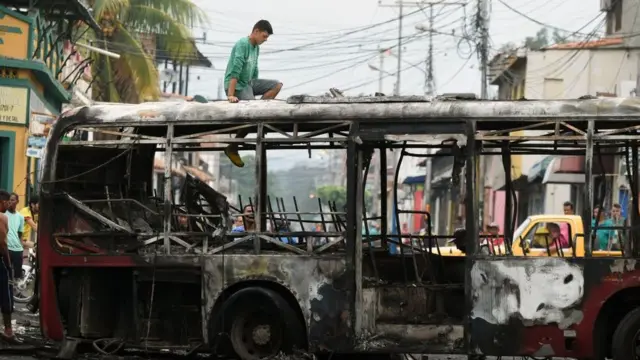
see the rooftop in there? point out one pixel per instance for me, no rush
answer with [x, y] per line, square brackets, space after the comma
[74, 10]
[604, 42]
[501, 62]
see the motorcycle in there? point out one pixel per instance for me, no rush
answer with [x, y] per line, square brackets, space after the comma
[24, 289]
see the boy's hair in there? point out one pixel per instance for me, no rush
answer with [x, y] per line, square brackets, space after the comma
[4, 195]
[263, 25]
[568, 204]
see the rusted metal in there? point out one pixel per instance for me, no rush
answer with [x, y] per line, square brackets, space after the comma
[633, 177]
[588, 182]
[471, 225]
[168, 194]
[84, 208]
[510, 196]
[352, 237]
[360, 189]
[608, 109]
[346, 299]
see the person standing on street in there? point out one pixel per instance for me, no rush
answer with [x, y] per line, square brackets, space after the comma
[241, 80]
[14, 235]
[6, 290]
[617, 237]
[30, 214]
[567, 209]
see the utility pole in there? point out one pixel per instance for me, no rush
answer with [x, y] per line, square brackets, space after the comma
[483, 23]
[398, 75]
[400, 5]
[483, 50]
[430, 86]
[429, 79]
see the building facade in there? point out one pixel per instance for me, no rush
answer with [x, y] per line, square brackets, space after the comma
[603, 67]
[33, 88]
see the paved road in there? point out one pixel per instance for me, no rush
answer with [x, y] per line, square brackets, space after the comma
[26, 325]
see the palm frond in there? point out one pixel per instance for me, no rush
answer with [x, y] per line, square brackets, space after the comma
[172, 36]
[102, 7]
[134, 65]
[184, 12]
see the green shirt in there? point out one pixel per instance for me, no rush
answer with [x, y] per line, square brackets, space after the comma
[16, 225]
[243, 64]
[602, 235]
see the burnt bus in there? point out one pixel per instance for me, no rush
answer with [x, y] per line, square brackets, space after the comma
[129, 258]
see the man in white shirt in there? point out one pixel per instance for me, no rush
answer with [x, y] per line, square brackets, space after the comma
[6, 275]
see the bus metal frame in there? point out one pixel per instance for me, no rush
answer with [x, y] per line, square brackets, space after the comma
[335, 303]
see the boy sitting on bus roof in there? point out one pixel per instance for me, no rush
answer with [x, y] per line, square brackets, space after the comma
[241, 81]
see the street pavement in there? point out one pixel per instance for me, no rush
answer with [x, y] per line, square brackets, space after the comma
[27, 327]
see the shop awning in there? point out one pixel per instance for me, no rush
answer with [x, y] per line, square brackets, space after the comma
[437, 177]
[539, 169]
[565, 170]
[414, 180]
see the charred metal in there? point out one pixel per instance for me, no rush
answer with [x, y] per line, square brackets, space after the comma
[183, 279]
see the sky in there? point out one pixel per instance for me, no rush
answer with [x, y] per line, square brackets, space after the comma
[318, 45]
[333, 43]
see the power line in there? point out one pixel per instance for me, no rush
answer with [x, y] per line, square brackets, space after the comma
[332, 50]
[408, 67]
[352, 41]
[344, 68]
[400, 5]
[429, 81]
[399, 19]
[534, 20]
[458, 71]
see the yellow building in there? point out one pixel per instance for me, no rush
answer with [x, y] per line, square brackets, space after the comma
[31, 91]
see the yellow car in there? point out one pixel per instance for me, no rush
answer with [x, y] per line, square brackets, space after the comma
[532, 236]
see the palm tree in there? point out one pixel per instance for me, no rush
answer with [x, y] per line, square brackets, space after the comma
[133, 77]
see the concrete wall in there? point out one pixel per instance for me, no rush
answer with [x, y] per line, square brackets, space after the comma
[569, 74]
[630, 23]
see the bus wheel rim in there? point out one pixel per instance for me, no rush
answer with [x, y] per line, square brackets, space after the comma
[255, 335]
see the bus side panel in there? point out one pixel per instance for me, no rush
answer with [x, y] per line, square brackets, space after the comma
[519, 302]
[318, 287]
[612, 291]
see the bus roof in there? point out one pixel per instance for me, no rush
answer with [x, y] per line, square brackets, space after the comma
[369, 109]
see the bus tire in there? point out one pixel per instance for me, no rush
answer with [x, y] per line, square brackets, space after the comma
[263, 324]
[624, 338]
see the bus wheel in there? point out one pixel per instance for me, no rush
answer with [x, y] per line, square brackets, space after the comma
[626, 338]
[264, 328]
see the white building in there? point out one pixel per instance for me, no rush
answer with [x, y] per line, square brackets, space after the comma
[602, 67]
